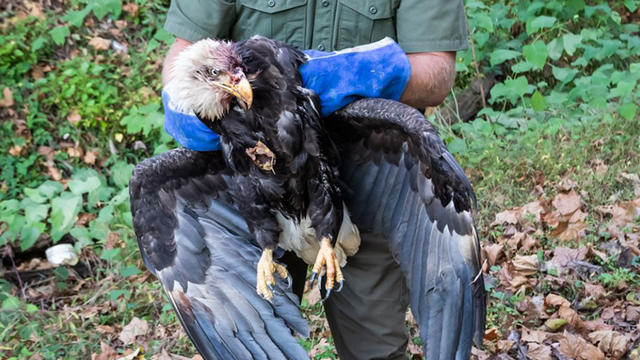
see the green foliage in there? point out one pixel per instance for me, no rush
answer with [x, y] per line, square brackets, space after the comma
[590, 52]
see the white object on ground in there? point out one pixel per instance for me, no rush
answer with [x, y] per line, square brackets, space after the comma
[62, 254]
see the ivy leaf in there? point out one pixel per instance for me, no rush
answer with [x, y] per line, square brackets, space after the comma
[59, 34]
[29, 235]
[34, 195]
[103, 7]
[484, 21]
[521, 67]
[519, 85]
[536, 53]
[121, 172]
[145, 119]
[540, 22]
[538, 102]
[129, 271]
[554, 49]
[628, 111]
[80, 186]
[571, 42]
[82, 235]
[35, 212]
[64, 210]
[501, 55]
[457, 146]
[50, 188]
[10, 303]
[563, 74]
[76, 17]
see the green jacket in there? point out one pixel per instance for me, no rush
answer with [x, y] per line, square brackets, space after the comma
[417, 25]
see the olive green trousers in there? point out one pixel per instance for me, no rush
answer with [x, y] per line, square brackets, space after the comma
[367, 318]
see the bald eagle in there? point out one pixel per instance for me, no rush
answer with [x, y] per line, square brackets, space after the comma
[208, 222]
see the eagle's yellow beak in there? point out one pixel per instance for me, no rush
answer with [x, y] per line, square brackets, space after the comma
[241, 90]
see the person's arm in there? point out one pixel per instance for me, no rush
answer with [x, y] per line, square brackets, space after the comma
[431, 80]
[174, 50]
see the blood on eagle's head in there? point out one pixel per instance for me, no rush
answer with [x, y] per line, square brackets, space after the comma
[206, 77]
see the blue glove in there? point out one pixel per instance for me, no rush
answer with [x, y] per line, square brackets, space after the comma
[187, 129]
[376, 70]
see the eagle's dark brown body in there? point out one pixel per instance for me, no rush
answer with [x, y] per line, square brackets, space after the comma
[302, 180]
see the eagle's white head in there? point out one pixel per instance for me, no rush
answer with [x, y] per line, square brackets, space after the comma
[205, 77]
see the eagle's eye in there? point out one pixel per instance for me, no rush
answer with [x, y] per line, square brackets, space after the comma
[215, 72]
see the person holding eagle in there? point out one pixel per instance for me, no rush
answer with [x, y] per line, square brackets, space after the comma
[402, 50]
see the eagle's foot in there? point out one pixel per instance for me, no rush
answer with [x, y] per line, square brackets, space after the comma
[327, 261]
[265, 279]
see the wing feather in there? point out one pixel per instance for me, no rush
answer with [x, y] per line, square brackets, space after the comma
[401, 181]
[199, 247]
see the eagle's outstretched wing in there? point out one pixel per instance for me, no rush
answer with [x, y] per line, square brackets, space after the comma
[200, 249]
[401, 181]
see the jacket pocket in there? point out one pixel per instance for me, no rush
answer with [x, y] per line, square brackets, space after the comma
[361, 22]
[282, 20]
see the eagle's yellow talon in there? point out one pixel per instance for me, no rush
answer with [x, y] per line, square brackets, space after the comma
[265, 280]
[327, 260]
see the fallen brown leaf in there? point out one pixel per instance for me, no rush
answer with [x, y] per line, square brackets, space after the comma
[491, 334]
[567, 203]
[566, 184]
[313, 296]
[575, 347]
[493, 252]
[538, 352]
[7, 98]
[132, 330]
[16, 150]
[563, 256]
[597, 291]
[556, 300]
[533, 209]
[506, 217]
[131, 9]
[34, 9]
[73, 117]
[75, 152]
[99, 43]
[572, 317]
[526, 265]
[610, 342]
[90, 157]
[106, 353]
[535, 336]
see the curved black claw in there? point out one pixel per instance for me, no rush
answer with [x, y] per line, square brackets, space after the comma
[327, 295]
[340, 287]
[313, 277]
[320, 282]
[270, 287]
[289, 281]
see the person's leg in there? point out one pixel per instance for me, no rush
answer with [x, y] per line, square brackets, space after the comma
[367, 318]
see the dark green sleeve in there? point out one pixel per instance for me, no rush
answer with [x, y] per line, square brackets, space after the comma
[194, 20]
[431, 25]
